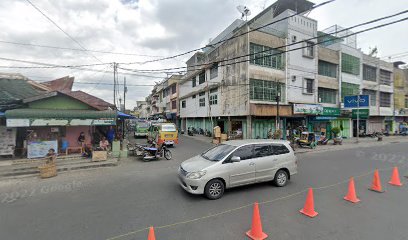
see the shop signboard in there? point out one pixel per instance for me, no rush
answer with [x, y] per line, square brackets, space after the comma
[363, 113]
[312, 109]
[103, 122]
[80, 122]
[49, 122]
[324, 118]
[356, 101]
[39, 149]
[331, 111]
[18, 122]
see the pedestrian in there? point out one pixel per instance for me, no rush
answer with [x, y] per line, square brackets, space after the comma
[111, 135]
[270, 134]
[81, 140]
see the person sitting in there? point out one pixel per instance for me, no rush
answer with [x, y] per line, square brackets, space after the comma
[104, 144]
[87, 152]
[51, 156]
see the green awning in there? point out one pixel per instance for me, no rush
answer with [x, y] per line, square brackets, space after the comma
[59, 114]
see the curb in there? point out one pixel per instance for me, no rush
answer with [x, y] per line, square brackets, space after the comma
[351, 146]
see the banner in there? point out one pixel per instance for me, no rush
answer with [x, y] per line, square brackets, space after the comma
[313, 109]
[40, 149]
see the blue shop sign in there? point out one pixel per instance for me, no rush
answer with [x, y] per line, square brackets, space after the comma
[356, 101]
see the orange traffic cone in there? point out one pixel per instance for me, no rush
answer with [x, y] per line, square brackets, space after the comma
[256, 230]
[351, 195]
[308, 208]
[376, 185]
[395, 179]
[151, 234]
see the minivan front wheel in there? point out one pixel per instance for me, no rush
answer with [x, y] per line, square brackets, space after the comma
[281, 178]
[214, 189]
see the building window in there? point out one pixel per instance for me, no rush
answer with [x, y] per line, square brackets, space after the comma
[194, 96]
[213, 96]
[174, 104]
[261, 90]
[213, 99]
[406, 102]
[385, 99]
[214, 71]
[327, 95]
[373, 96]
[173, 89]
[385, 77]
[194, 81]
[349, 89]
[308, 50]
[369, 73]
[266, 56]
[309, 85]
[350, 64]
[201, 94]
[183, 104]
[201, 78]
[202, 102]
[327, 69]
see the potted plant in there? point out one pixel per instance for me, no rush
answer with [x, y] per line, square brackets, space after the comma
[337, 138]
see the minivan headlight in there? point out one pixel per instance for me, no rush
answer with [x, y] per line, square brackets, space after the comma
[196, 175]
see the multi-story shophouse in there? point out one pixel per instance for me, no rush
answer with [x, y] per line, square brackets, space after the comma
[236, 83]
[400, 96]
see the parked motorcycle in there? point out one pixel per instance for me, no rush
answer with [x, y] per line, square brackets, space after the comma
[208, 133]
[155, 152]
[190, 131]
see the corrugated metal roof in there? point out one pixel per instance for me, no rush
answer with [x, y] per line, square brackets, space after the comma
[59, 114]
[12, 90]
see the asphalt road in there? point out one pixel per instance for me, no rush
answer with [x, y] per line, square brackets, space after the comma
[120, 202]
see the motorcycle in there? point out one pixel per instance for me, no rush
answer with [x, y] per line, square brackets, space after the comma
[190, 132]
[155, 152]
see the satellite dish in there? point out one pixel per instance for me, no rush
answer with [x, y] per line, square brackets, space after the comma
[244, 11]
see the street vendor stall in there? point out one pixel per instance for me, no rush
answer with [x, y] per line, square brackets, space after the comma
[66, 131]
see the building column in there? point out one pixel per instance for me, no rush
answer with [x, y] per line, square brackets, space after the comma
[249, 126]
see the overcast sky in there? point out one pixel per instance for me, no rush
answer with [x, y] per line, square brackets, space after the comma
[152, 29]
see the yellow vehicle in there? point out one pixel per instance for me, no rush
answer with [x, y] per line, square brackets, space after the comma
[164, 133]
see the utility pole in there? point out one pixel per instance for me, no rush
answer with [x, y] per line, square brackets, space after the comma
[124, 94]
[277, 98]
[114, 84]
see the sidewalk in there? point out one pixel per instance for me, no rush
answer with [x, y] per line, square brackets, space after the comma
[347, 143]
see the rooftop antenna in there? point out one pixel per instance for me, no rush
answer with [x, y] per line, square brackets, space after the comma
[244, 11]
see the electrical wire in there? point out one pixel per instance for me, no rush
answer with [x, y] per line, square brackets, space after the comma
[62, 30]
[75, 49]
[235, 36]
[277, 48]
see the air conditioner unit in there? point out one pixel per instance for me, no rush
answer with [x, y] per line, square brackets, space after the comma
[320, 100]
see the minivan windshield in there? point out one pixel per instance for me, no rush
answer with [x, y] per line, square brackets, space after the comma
[217, 153]
[142, 125]
[168, 128]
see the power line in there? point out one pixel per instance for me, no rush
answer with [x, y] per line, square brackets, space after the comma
[75, 49]
[62, 30]
[277, 48]
[79, 67]
[235, 36]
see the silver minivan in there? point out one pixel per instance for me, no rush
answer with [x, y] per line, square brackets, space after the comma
[236, 163]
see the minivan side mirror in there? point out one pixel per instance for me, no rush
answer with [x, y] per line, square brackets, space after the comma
[235, 159]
